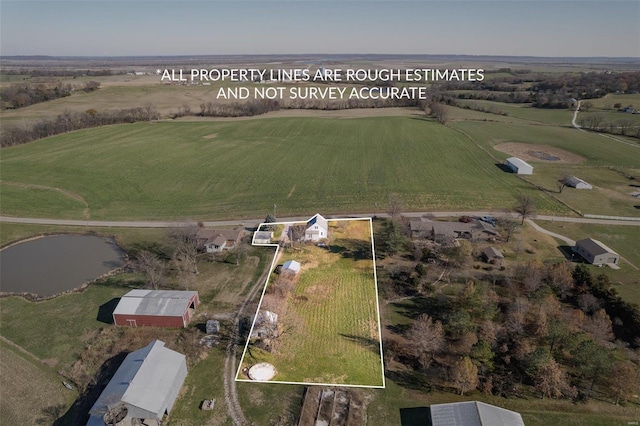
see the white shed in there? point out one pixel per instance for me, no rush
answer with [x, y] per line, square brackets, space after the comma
[595, 252]
[519, 166]
[291, 266]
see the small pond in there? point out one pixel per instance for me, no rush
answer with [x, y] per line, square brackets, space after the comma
[52, 265]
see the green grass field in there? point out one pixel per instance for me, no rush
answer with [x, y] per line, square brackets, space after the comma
[330, 316]
[239, 169]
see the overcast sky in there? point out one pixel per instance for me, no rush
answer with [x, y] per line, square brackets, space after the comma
[123, 28]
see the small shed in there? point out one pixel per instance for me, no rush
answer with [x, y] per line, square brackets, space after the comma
[577, 183]
[595, 252]
[519, 166]
[492, 255]
[291, 266]
[157, 308]
[262, 237]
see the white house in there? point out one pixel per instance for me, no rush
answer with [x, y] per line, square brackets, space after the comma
[577, 183]
[212, 241]
[519, 167]
[262, 237]
[143, 389]
[595, 252]
[316, 229]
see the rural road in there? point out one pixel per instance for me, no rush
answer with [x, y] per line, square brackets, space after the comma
[255, 222]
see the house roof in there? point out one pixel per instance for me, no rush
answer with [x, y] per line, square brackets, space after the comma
[594, 247]
[318, 220]
[263, 235]
[218, 236]
[145, 380]
[473, 413]
[492, 252]
[519, 163]
[171, 303]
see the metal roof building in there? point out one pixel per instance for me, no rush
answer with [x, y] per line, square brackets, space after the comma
[473, 413]
[519, 166]
[595, 252]
[577, 183]
[159, 308]
[145, 386]
[291, 265]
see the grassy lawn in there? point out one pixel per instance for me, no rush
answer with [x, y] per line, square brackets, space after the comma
[57, 329]
[30, 392]
[170, 170]
[330, 317]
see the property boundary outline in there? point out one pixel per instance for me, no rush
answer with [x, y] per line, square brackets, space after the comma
[255, 317]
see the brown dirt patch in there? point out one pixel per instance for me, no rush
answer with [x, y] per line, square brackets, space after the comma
[543, 153]
[211, 136]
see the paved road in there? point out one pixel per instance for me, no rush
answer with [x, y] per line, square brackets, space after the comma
[255, 222]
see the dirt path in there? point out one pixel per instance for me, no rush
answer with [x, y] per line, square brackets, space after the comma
[230, 368]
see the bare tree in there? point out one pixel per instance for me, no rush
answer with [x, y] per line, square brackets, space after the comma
[552, 381]
[152, 266]
[439, 112]
[427, 337]
[624, 381]
[395, 205]
[185, 247]
[525, 206]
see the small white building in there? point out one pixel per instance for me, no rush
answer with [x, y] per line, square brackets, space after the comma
[291, 266]
[316, 229]
[262, 237]
[577, 183]
[595, 252]
[519, 167]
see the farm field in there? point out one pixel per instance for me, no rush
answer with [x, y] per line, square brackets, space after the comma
[239, 169]
[329, 317]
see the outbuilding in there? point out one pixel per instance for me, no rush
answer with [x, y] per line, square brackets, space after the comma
[158, 308]
[473, 413]
[291, 266]
[519, 167]
[262, 237]
[595, 252]
[143, 389]
[577, 183]
[492, 255]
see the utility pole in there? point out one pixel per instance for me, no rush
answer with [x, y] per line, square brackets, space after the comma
[274, 211]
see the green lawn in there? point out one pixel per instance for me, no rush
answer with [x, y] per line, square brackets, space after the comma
[56, 329]
[304, 165]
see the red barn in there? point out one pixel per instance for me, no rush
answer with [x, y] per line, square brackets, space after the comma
[158, 308]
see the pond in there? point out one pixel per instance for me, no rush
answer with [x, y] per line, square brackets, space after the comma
[51, 265]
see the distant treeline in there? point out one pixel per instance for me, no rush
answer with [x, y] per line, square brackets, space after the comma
[22, 95]
[59, 72]
[547, 90]
[68, 121]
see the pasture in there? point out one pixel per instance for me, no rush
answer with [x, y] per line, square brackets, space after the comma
[329, 318]
[239, 169]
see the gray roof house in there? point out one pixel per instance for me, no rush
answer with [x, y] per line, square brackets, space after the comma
[595, 252]
[492, 254]
[144, 387]
[473, 413]
[212, 240]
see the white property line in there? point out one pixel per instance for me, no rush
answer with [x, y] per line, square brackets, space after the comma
[273, 262]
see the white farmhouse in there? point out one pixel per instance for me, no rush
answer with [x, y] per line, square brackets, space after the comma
[316, 229]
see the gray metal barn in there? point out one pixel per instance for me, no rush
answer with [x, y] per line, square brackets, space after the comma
[145, 386]
[519, 167]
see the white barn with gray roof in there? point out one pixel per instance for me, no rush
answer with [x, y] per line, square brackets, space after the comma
[317, 228]
[145, 386]
[519, 166]
[473, 413]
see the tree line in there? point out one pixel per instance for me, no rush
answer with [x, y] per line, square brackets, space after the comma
[68, 121]
[23, 95]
